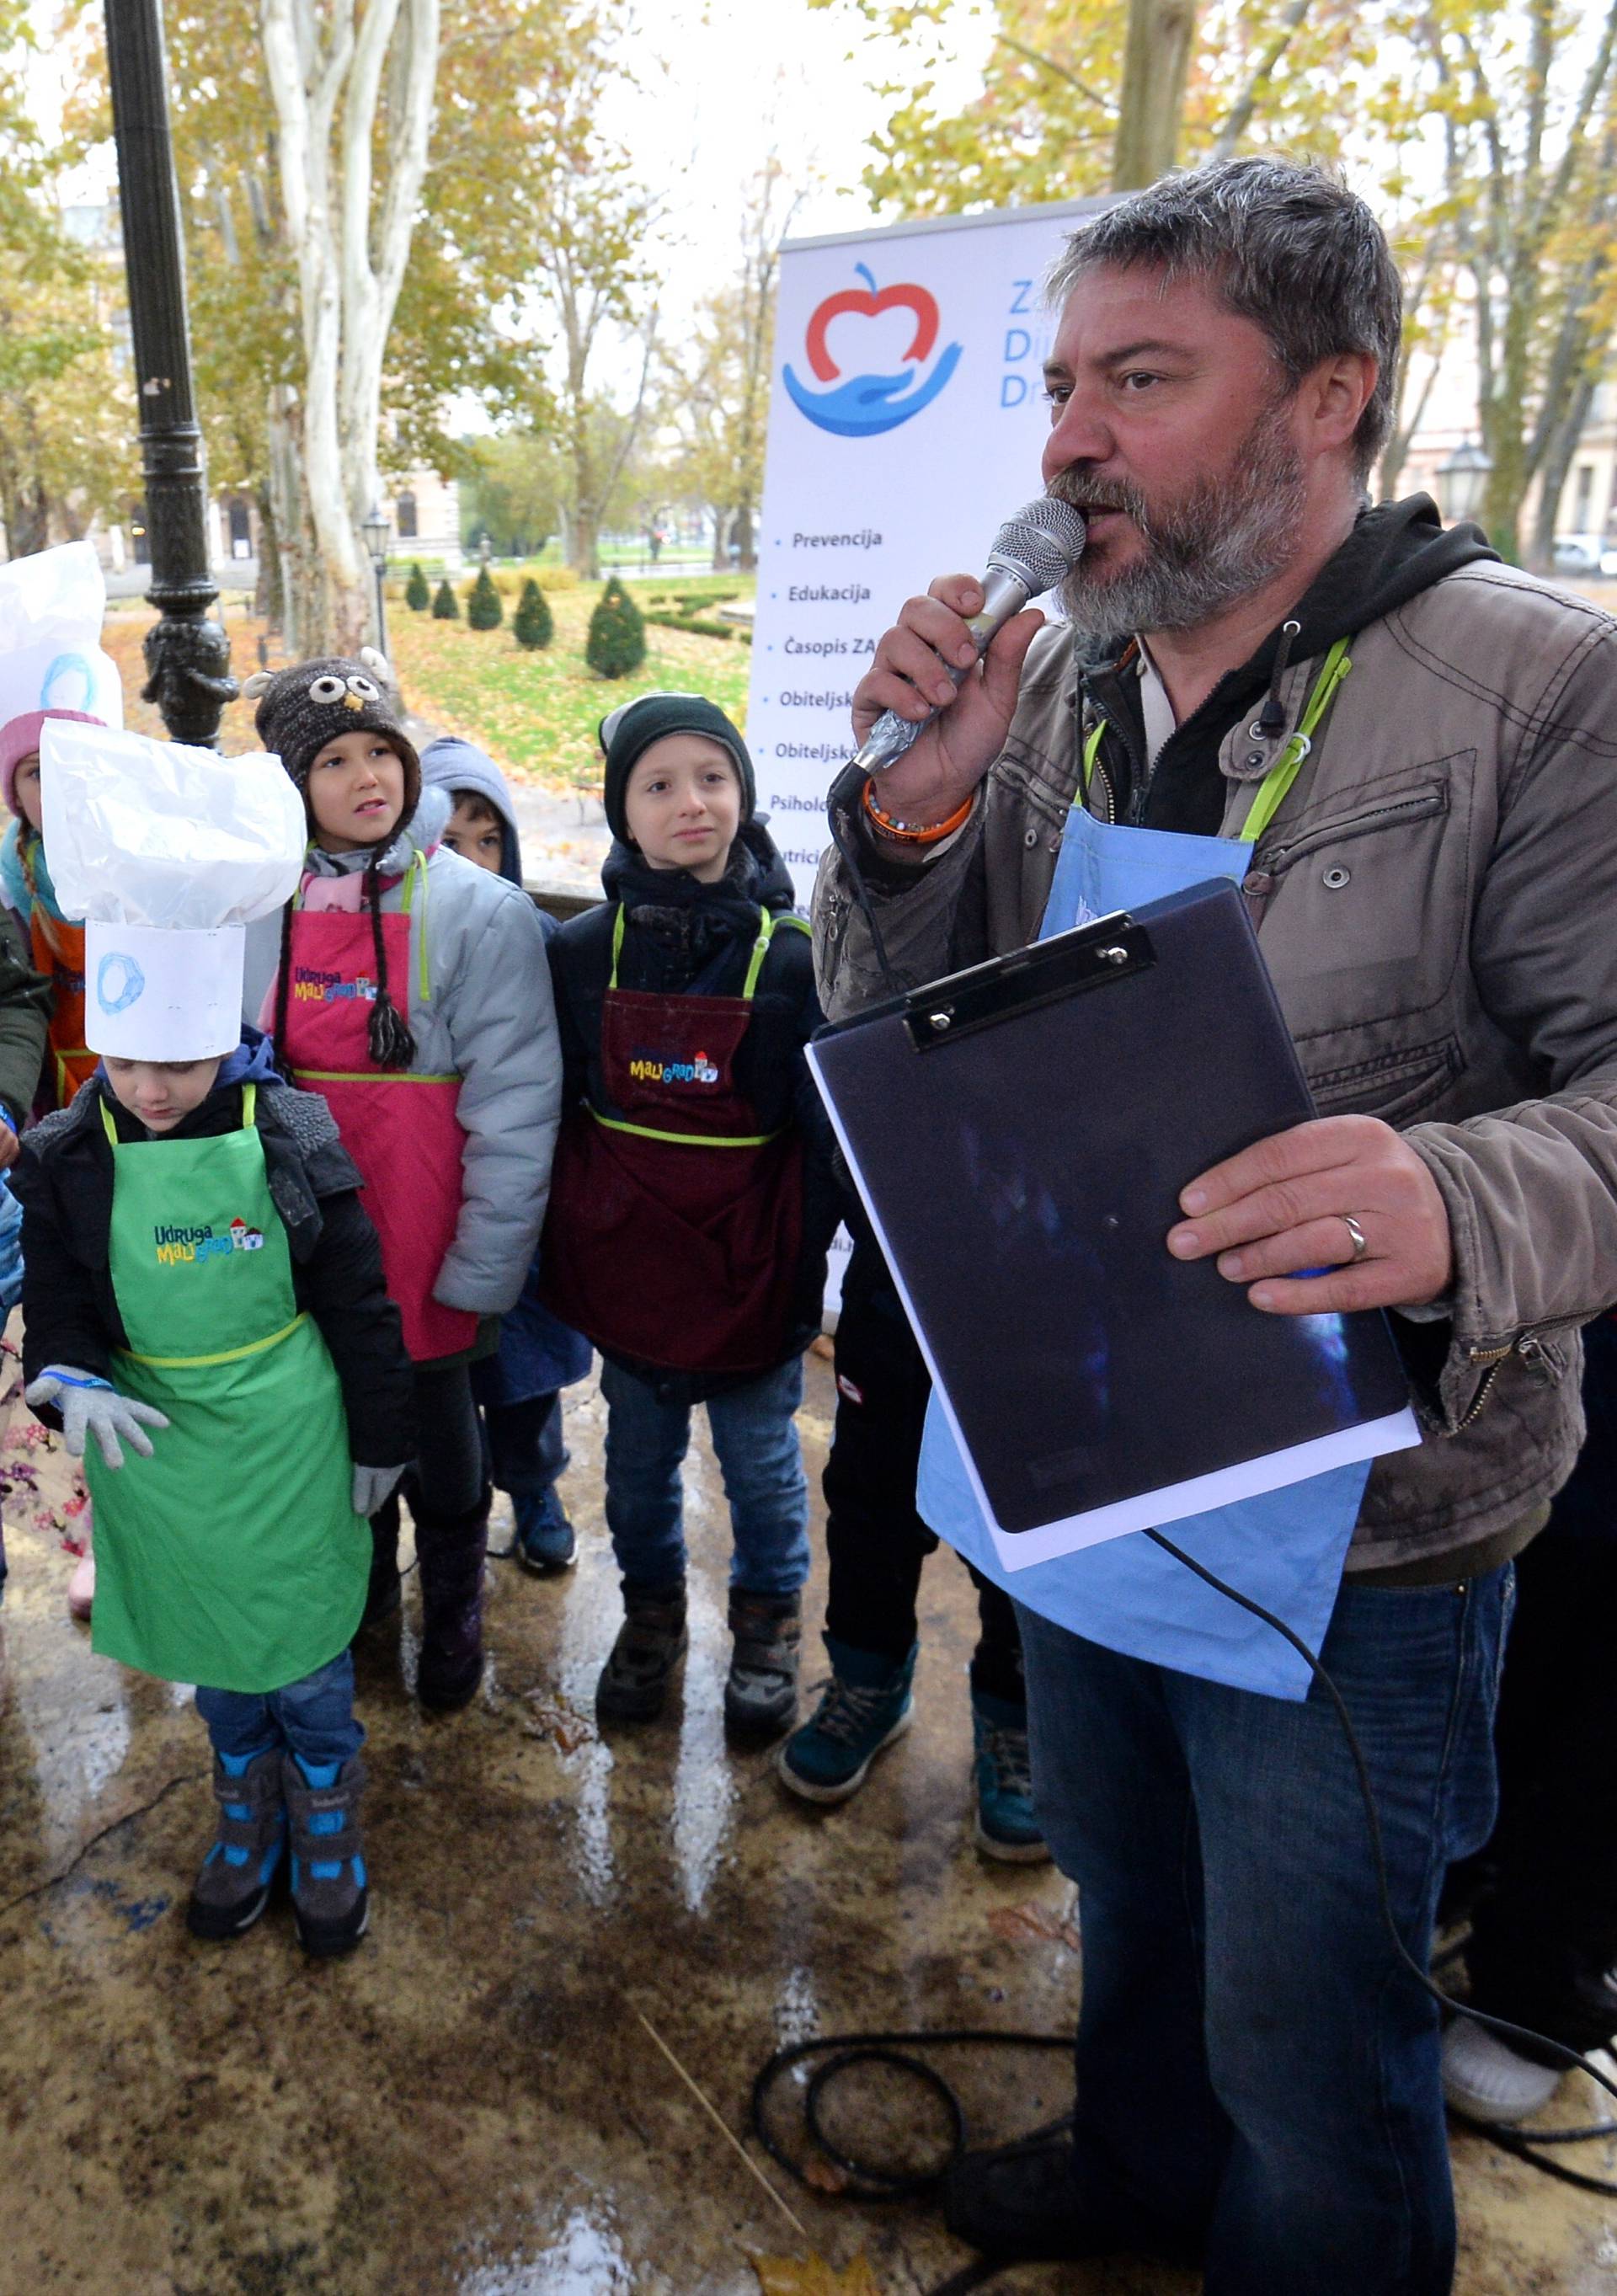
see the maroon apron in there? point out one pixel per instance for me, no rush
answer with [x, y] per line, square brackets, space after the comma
[675, 1231]
[399, 1126]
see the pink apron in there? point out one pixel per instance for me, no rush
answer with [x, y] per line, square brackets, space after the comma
[399, 1126]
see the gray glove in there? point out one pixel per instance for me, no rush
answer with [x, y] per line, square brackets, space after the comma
[371, 1486]
[90, 1407]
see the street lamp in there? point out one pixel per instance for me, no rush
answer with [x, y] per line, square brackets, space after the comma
[376, 530]
[1463, 481]
[187, 654]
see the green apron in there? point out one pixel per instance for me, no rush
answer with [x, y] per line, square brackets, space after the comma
[232, 1557]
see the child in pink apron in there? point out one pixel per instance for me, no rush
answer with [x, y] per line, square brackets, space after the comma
[413, 993]
[693, 1204]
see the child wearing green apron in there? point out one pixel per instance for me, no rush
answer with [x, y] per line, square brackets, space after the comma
[204, 1295]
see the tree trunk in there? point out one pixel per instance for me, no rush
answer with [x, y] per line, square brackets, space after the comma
[1156, 65]
[1554, 469]
[325, 75]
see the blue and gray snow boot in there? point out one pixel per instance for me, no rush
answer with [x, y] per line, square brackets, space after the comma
[239, 1872]
[866, 1704]
[331, 1906]
[545, 1539]
[1007, 1828]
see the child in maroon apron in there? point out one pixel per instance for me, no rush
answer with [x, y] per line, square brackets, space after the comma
[414, 994]
[691, 1206]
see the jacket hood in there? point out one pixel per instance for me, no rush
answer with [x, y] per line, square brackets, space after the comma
[451, 764]
[1393, 554]
[755, 875]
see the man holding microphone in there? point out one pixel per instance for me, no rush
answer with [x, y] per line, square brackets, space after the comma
[1258, 2081]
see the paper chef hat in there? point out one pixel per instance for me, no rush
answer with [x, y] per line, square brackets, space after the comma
[167, 853]
[51, 657]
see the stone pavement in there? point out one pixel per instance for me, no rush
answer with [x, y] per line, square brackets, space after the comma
[472, 2104]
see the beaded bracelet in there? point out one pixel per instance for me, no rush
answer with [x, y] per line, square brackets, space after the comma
[907, 831]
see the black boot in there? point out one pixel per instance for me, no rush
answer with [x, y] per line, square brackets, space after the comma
[1028, 2204]
[381, 1595]
[760, 1690]
[650, 1643]
[450, 1550]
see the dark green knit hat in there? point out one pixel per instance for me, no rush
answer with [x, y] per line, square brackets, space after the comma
[626, 734]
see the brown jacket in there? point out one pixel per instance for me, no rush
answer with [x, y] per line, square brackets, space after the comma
[1437, 900]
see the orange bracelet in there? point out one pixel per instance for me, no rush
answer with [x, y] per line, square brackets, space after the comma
[906, 830]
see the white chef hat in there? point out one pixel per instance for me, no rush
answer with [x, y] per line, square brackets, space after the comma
[51, 654]
[167, 853]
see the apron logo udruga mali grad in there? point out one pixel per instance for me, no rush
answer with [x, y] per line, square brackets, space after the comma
[330, 988]
[651, 1067]
[181, 1246]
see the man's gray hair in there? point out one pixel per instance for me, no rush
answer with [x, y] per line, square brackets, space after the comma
[1285, 245]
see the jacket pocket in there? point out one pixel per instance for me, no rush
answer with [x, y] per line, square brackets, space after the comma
[1398, 1087]
[1365, 901]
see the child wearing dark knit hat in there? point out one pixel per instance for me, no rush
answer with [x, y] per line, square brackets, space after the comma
[413, 992]
[693, 1204]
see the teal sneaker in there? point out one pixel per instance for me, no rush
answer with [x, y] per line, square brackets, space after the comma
[1007, 1828]
[866, 1704]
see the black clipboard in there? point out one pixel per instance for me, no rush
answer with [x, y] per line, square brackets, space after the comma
[1020, 1133]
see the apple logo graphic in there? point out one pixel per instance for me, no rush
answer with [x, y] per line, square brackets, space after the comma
[863, 405]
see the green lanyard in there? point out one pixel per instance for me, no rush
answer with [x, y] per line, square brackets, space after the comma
[1276, 785]
[767, 920]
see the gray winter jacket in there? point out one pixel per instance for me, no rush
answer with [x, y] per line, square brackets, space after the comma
[487, 1016]
[1436, 900]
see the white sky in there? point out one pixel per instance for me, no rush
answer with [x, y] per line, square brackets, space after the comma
[723, 83]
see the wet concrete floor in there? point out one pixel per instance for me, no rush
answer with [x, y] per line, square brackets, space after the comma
[472, 2103]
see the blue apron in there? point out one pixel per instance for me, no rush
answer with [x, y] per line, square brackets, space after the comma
[1284, 1548]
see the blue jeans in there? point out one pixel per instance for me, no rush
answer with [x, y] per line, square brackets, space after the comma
[1258, 2077]
[762, 1464]
[313, 1718]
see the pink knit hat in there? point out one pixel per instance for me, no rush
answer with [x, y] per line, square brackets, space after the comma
[20, 738]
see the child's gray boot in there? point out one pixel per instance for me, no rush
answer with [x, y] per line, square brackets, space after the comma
[330, 1903]
[239, 1871]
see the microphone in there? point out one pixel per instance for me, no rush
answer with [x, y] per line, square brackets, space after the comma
[1032, 552]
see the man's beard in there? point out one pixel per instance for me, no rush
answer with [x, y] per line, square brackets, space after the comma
[1217, 543]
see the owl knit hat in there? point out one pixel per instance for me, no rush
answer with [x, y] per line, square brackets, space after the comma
[301, 710]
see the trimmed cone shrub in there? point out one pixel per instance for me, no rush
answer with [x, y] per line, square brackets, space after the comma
[445, 607]
[484, 610]
[532, 624]
[616, 644]
[418, 597]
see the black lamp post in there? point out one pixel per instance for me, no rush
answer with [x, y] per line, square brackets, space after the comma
[1463, 481]
[376, 530]
[187, 655]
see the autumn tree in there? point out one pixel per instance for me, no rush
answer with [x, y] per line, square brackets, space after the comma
[1530, 118]
[717, 382]
[67, 419]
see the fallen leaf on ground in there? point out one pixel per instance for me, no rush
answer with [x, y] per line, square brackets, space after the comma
[791, 2276]
[566, 1729]
[1034, 1924]
[824, 2176]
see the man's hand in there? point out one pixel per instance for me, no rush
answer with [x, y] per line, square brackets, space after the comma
[1283, 1206]
[910, 675]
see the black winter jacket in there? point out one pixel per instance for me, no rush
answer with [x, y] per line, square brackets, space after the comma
[683, 938]
[63, 1180]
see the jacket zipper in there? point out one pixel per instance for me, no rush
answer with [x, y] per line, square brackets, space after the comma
[1275, 857]
[1525, 1344]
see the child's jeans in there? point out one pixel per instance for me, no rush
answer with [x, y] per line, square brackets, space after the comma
[313, 1718]
[526, 1451]
[762, 1463]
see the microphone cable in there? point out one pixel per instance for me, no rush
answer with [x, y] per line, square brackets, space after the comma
[832, 2168]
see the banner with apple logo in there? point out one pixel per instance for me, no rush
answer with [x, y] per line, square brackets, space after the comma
[906, 422]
